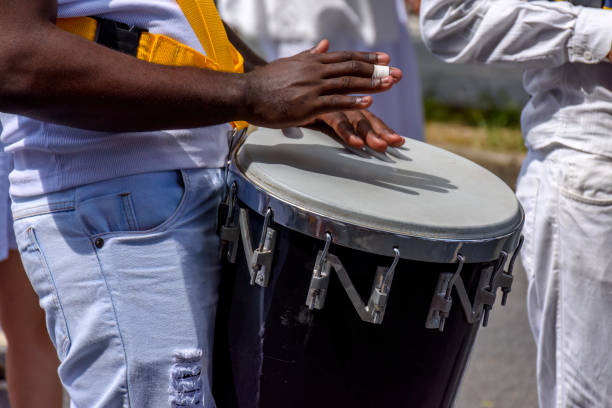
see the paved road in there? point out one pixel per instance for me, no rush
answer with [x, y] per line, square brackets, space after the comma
[501, 373]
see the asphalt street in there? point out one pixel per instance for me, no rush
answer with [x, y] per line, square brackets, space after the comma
[502, 369]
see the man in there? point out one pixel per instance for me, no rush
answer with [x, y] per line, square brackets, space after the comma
[565, 185]
[115, 210]
[23, 322]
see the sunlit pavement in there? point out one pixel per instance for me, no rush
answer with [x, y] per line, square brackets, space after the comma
[502, 370]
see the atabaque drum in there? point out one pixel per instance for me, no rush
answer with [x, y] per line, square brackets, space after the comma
[355, 279]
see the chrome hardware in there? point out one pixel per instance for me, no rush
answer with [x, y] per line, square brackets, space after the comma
[380, 290]
[320, 278]
[508, 287]
[230, 233]
[442, 301]
[491, 279]
[260, 260]
[417, 248]
[374, 311]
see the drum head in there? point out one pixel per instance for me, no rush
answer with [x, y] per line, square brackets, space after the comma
[428, 193]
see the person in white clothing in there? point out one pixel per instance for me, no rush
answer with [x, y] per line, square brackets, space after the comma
[117, 114]
[565, 185]
[279, 29]
[31, 360]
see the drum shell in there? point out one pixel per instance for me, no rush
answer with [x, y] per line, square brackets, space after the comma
[271, 351]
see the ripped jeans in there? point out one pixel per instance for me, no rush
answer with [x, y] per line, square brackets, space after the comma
[127, 272]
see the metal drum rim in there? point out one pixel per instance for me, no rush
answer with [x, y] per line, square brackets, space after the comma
[380, 242]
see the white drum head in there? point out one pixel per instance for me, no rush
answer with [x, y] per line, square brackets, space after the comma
[430, 193]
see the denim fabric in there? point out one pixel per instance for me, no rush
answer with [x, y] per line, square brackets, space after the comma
[127, 271]
[7, 237]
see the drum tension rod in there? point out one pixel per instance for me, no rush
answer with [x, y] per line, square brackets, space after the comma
[374, 311]
[491, 278]
[230, 233]
[320, 278]
[260, 259]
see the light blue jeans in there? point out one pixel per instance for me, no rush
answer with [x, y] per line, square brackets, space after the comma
[127, 271]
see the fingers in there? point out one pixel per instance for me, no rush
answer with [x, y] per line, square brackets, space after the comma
[321, 48]
[366, 131]
[353, 68]
[351, 84]
[384, 131]
[342, 56]
[360, 128]
[339, 122]
[357, 69]
[335, 103]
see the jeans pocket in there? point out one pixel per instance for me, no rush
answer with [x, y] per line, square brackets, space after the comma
[135, 204]
[43, 282]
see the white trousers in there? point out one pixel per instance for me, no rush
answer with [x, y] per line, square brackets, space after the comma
[567, 197]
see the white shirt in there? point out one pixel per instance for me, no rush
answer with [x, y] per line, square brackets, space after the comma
[563, 49]
[49, 157]
[370, 21]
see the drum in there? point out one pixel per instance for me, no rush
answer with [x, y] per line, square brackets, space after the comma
[355, 278]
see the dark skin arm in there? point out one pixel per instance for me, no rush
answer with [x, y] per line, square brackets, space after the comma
[356, 128]
[58, 77]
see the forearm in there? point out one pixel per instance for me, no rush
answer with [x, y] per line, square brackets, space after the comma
[529, 34]
[58, 77]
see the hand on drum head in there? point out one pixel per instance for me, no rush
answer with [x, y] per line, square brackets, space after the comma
[295, 90]
[358, 128]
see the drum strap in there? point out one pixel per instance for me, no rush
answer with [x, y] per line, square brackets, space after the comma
[205, 21]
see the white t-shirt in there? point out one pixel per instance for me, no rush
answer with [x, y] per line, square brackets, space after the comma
[50, 157]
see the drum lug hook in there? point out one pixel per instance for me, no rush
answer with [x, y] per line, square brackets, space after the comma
[442, 301]
[230, 233]
[320, 278]
[374, 311]
[492, 278]
[381, 288]
[500, 279]
[260, 259]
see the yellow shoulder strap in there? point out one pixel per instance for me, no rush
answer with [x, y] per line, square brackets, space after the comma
[208, 27]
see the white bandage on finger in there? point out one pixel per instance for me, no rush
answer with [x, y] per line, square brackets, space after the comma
[380, 71]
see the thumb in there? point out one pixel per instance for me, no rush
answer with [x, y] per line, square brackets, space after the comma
[321, 47]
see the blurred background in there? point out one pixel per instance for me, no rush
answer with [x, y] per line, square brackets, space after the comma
[473, 111]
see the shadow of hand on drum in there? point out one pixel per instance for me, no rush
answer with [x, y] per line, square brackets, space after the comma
[341, 163]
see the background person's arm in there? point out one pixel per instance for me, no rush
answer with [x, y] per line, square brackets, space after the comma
[525, 33]
[54, 76]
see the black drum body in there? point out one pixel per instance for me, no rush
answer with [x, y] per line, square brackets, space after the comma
[355, 281]
[273, 352]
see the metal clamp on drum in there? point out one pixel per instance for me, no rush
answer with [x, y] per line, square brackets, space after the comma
[230, 233]
[260, 259]
[374, 311]
[491, 279]
[260, 264]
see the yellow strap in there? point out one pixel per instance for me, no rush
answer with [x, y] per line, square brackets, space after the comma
[207, 25]
[82, 26]
[159, 49]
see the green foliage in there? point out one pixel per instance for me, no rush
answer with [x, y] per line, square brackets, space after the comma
[494, 119]
[493, 116]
